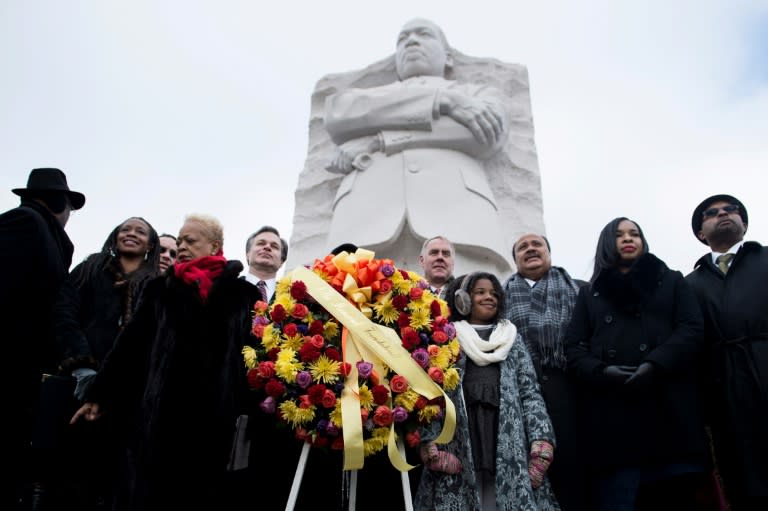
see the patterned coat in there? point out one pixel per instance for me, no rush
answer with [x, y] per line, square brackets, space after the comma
[522, 419]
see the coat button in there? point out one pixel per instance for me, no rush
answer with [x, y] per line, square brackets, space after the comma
[545, 378]
[608, 318]
[643, 347]
[611, 353]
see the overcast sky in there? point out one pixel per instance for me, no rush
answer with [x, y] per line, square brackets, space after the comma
[164, 108]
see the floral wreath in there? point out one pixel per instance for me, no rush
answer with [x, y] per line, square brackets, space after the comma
[305, 368]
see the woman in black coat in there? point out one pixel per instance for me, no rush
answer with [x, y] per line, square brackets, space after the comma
[176, 379]
[95, 303]
[633, 345]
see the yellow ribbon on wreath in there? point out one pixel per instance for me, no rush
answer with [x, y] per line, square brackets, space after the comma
[384, 347]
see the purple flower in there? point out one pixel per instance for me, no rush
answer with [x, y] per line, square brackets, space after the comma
[421, 357]
[260, 320]
[303, 379]
[268, 405]
[322, 425]
[423, 284]
[399, 414]
[331, 429]
[450, 330]
[303, 328]
[368, 425]
[364, 369]
[388, 270]
[424, 338]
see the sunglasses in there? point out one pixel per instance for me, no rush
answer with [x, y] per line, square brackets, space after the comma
[173, 253]
[712, 212]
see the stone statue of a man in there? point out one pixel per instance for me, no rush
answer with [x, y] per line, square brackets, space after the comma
[413, 154]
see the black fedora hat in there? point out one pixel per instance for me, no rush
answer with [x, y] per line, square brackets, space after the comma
[698, 214]
[49, 180]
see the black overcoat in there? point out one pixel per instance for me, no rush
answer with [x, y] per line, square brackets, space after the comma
[735, 310]
[176, 380]
[647, 315]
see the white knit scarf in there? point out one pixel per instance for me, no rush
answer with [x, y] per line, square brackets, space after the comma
[483, 352]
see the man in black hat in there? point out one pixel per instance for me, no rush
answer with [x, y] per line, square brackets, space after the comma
[35, 254]
[732, 285]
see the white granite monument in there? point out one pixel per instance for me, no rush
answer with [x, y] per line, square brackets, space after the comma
[426, 142]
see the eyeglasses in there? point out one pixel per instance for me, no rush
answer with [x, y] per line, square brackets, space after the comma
[171, 251]
[712, 212]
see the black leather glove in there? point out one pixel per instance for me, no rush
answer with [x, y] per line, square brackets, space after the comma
[619, 374]
[642, 377]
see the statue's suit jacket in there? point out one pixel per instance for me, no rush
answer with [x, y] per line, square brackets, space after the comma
[430, 173]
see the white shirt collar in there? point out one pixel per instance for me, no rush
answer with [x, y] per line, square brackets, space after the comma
[271, 283]
[731, 250]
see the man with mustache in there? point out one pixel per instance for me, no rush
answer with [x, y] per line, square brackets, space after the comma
[421, 137]
[540, 300]
[732, 285]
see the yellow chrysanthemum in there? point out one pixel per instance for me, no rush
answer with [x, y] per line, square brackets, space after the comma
[407, 399]
[419, 318]
[377, 441]
[271, 337]
[428, 413]
[444, 310]
[325, 370]
[386, 312]
[296, 415]
[450, 379]
[366, 397]
[330, 330]
[335, 415]
[286, 366]
[399, 284]
[284, 299]
[293, 343]
[283, 286]
[442, 359]
[249, 355]
[455, 348]
[309, 318]
[415, 277]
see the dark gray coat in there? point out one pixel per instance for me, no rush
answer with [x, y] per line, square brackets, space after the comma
[647, 315]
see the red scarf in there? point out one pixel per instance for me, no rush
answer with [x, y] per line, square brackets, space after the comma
[202, 271]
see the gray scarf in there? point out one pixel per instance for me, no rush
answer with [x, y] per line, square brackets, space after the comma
[542, 313]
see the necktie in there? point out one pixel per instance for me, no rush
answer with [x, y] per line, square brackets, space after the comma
[722, 262]
[263, 290]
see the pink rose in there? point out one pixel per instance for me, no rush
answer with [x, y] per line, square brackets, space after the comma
[299, 311]
[266, 369]
[329, 399]
[398, 384]
[436, 374]
[382, 416]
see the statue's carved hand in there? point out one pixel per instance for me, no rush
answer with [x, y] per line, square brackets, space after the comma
[353, 154]
[479, 117]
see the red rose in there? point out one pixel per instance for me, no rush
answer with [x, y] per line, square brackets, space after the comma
[436, 374]
[304, 401]
[258, 331]
[260, 306]
[398, 384]
[400, 302]
[272, 354]
[274, 388]
[413, 439]
[439, 337]
[299, 311]
[385, 286]
[329, 399]
[415, 293]
[420, 403]
[435, 309]
[316, 392]
[266, 369]
[290, 330]
[405, 275]
[254, 380]
[316, 327]
[345, 368]
[380, 394]
[317, 341]
[333, 354]
[338, 443]
[320, 441]
[382, 416]
[301, 434]
[410, 338]
[278, 313]
[440, 321]
[308, 352]
[298, 290]
[403, 320]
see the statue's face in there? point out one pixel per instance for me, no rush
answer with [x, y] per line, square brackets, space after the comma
[420, 50]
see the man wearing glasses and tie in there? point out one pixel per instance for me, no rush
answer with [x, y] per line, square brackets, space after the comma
[732, 286]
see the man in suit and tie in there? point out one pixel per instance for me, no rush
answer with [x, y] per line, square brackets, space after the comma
[265, 253]
[732, 285]
[436, 259]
